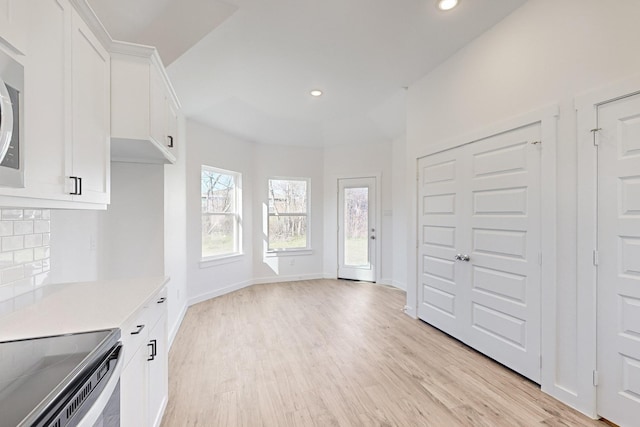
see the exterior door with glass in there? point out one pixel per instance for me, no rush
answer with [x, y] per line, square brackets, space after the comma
[357, 229]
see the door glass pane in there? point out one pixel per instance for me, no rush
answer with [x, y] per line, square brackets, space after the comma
[356, 226]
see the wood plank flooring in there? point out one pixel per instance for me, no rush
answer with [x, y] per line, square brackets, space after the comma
[338, 353]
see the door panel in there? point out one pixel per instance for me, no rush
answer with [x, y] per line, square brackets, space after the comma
[491, 216]
[356, 231]
[619, 260]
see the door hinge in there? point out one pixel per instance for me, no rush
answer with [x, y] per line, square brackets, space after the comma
[595, 378]
[417, 243]
[596, 257]
[595, 135]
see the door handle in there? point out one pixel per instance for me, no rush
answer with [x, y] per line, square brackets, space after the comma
[460, 257]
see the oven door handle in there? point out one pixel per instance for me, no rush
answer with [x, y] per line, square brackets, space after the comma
[6, 120]
[100, 403]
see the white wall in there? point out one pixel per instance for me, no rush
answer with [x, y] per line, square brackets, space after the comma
[215, 148]
[354, 162]
[175, 233]
[134, 222]
[546, 52]
[76, 245]
[399, 210]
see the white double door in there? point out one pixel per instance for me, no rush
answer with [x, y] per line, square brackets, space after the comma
[618, 290]
[479, 246]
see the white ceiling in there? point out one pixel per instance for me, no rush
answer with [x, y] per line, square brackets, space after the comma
[247, 66]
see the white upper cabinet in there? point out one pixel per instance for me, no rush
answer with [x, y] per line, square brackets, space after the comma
[13, 18]
[66, 112]
[89, 164]
[144, 107]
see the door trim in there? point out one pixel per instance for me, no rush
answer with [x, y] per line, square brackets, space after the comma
[548, 119]
[378, 211]
[586, 106]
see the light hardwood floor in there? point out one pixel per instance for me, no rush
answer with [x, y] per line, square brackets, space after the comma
[329, 352]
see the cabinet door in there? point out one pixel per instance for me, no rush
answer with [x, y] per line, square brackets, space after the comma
[157, 107]
[133, 390]
[158, 373]
[47, 100]
[90, 88]
[13, 14]
[172, 126]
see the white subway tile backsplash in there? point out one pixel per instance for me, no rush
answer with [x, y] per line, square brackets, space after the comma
[32, 214]
[41, 279]
[41, 253]
[33, 268]
[11, 274]
[22, 227]
[12, 214]
[12, 243]
[23, 286]
[6, 259]
[41, 226]
[6, 292]
[6, 228]
[33, 240]
[24, 254]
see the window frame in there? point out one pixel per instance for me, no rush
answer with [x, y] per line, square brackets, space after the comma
[301, 250]
[236, 214]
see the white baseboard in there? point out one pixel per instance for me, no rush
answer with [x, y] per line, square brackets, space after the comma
[399, 285]
[329, 276]
[278, 279]
[410, 311]
[176, 326]
[259, 281]
[219, 292]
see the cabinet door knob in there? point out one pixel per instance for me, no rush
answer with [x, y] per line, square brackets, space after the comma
[170, 141]
[137, 331]
[154, 350]
[161, 300]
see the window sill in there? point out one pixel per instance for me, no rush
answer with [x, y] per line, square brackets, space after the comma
[226, 259]
[288, 252]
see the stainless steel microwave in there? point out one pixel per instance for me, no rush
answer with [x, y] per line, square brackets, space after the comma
[11, 135]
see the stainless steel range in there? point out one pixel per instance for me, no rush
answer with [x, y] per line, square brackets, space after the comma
[58, 381]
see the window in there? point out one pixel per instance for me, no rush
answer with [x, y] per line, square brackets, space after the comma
[288, 214]
[220, 195]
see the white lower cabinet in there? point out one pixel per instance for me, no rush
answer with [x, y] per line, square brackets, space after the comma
[144, 379]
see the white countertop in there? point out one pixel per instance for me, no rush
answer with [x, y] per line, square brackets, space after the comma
[78, 307]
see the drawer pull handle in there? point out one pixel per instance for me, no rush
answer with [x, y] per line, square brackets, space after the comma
[154, 351]
[137, 331]
[161, 300]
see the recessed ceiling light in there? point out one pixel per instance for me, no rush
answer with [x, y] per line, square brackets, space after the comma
[316, 92]
[447, 4]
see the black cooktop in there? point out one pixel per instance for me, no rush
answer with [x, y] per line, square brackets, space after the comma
[33, 372]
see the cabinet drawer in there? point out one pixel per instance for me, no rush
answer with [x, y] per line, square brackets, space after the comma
[135, 333]
[156, 307]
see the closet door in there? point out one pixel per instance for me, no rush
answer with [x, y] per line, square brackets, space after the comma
[505, 258]
[443, 212]
[619, 261]
[479, 246]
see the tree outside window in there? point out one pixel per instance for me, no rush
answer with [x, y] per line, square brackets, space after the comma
[220, 212]
[288, 214]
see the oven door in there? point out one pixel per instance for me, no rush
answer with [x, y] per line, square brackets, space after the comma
[6, 120]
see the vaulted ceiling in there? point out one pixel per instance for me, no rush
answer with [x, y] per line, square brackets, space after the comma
[247, 66]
